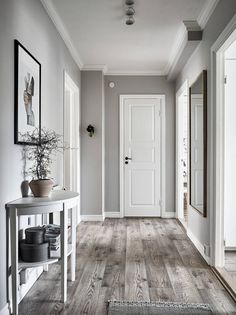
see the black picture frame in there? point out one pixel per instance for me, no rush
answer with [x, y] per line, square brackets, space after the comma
[27, 100]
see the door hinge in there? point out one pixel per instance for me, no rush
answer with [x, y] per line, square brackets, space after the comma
[159, 112]
[225, 79]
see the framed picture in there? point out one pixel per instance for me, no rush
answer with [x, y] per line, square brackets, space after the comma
[27, 94]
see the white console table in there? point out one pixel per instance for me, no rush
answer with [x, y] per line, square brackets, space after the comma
[58, 201]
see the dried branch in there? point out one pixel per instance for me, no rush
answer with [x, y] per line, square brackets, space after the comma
[40, 153]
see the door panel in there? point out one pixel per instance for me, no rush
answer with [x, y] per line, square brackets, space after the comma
[141, 143]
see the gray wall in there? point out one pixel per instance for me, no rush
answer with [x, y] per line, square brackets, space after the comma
[91, 147]
[27, 21]
[200, 60]
[136, 85]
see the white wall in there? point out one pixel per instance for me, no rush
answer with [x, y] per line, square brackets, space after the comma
[200, 60]
[27, 21]
[230, 148]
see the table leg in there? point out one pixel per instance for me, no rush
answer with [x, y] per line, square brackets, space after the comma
[73, 242]
[14, 258]
[64, 244]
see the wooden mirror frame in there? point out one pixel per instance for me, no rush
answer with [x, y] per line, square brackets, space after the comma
[204, 89]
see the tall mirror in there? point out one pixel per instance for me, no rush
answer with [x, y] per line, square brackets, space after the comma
[198, 144]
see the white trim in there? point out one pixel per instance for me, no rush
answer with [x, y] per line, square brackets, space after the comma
[163, 149]
[181, 90]
[181, 37]
[112, 214]
[102, 68]
[51, 11]
[91, 217]
[206, 12]
[168, 215]
[68, 81]
[103, 151]
[177, 48]
[72, 86]
[216, 158]
[5, 310]
[198, 245]
[137, 73]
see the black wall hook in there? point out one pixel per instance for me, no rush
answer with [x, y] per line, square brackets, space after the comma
[90, 130]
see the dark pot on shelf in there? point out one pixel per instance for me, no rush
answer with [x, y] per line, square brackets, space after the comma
[34, 252]
[25, 188]
[41, 187]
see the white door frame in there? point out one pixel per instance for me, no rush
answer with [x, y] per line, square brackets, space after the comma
[217, 158]
[163, 151]
[69, 84]
[179, 191]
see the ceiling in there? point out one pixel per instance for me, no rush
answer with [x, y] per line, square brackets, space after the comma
[96, 33]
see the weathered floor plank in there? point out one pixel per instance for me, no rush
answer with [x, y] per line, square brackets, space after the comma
[130, 259]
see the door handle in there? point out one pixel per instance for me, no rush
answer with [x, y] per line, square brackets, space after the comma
[127, 158]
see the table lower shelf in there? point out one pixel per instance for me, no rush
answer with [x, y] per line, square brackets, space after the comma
[55, 256]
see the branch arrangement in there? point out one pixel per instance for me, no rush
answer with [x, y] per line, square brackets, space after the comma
[43, 147]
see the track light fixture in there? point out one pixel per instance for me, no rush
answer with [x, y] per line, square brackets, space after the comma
[129, 2]
[130, 21]
[130, 12]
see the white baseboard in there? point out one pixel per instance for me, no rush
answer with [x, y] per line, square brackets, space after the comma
[5, 310]
[168, 215]
[91, 217]
[198, 245]
[112, 214]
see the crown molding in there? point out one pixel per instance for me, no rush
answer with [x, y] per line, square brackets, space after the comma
[137, 73]
[206, 12]
[102, 68]
[181, 38]
[177, 48]
[51, 11]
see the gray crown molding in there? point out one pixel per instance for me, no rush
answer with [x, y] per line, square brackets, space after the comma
[51, 11]
[177, 49]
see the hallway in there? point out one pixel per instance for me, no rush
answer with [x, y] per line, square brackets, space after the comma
[129, 259]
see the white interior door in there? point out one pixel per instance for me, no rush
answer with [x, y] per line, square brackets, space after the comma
[197, 154]
[141, 155]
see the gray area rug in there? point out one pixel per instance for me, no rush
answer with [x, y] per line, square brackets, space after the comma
[157, 308]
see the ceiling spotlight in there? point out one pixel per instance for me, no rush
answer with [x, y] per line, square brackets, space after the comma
[130, 11]
[130, 21]
[129, 2]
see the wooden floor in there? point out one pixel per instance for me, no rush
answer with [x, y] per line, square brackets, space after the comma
[129, 259]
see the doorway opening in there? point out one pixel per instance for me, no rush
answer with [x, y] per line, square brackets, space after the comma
[182, 154]
[223, 222]
[72, 137]
[230, 161]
